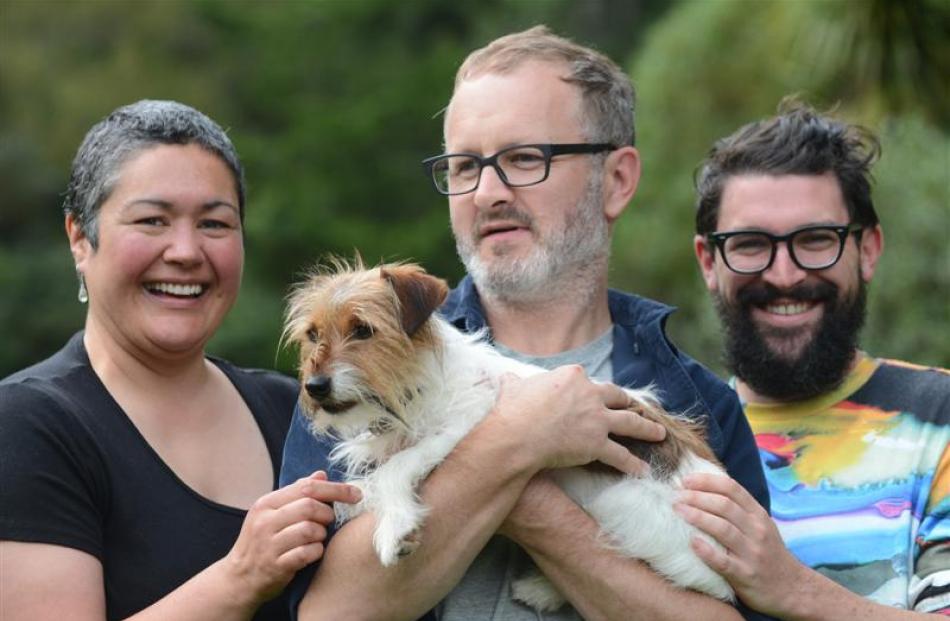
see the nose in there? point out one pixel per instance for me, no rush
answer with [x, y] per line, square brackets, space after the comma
[318, 386]
[783, 273]
[491, 190]
[184, 246]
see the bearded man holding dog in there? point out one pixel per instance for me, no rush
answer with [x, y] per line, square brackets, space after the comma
[539, 164]
[855, 448]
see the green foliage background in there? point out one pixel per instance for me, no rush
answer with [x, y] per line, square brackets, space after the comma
[333, 103]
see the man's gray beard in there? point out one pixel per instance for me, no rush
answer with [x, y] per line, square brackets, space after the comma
[569, 261]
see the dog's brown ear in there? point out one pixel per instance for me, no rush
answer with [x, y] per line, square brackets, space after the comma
[419, 293]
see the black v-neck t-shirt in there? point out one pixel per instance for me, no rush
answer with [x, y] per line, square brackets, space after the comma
[75, 472]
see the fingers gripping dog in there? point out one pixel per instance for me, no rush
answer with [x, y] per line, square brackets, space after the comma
[400, 387]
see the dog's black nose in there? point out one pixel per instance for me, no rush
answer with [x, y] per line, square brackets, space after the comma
[318, 386]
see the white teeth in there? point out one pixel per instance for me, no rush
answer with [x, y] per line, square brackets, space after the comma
[175, 289]
[788, 309]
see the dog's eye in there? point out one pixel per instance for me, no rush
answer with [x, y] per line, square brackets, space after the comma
[312, 335]
[362, 331]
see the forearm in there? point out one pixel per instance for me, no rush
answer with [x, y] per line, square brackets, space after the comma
[754, 559]
[211, 595]
[44, 582]
[468, 495]
[818, 598]
[600, 584]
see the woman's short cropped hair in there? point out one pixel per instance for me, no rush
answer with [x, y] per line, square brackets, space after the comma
[111, 142]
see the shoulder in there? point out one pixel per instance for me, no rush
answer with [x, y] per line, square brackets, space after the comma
[631, 309]
[54, 392]
[932, 380]
[33, 406]
[710, 385]
[278, 384]
[64, 363]
[641, 323]
[54, 423]
[453, 302]
[902, 386]
[463, 307]
[270, 382]
[262, 388]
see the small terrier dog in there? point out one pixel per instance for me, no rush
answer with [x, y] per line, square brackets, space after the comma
[399, 387]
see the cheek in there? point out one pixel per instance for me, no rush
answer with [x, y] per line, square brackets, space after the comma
[728, 283]
[128, 256]
[461, 216]
[845, 274]
[227, 256]
[710, 271]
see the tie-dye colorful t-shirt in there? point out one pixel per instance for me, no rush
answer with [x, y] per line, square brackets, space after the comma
[860, 481]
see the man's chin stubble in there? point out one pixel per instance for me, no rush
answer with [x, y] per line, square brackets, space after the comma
[788, 345]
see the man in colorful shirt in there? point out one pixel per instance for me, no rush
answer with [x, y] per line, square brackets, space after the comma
[855, 449]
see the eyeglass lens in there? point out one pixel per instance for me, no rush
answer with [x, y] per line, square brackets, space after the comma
[810, 248]
[457, 174]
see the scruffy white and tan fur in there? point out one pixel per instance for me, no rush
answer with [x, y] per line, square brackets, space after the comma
[399, 387]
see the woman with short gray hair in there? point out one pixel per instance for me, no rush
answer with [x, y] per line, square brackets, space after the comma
[138, 472]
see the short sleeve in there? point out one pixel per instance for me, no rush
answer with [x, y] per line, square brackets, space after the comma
[930, 585]
[52, 483]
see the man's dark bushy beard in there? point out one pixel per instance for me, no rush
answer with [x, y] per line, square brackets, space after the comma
[823, 362]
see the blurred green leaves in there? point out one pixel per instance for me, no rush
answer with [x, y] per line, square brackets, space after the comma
[709, 67]
[332, 104]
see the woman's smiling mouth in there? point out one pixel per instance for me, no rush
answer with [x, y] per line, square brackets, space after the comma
[178, 290]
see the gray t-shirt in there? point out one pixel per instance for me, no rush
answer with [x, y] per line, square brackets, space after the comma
[484, 593]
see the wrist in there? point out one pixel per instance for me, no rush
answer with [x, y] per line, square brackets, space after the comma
[506, 445]
[238, 592]
[541, 510]
[813, 599]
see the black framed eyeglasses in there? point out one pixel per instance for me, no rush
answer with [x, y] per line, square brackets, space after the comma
[814, 247]
[517, 166]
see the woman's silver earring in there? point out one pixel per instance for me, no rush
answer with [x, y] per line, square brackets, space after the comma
[83, 294]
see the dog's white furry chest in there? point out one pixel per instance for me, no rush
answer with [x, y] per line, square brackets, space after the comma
[458, 388]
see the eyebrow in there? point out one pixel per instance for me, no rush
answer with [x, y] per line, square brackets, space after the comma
[167, 206]
[759, 229]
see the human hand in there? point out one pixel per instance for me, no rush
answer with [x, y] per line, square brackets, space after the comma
[284, 532]
[753, 557]
[566, 419]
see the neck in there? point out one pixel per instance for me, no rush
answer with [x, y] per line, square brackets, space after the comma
[118, 362]
[748, 395]
[552, 326]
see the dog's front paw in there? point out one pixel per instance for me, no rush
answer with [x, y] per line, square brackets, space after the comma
[409, 543]
[394, 541]
[535, 590]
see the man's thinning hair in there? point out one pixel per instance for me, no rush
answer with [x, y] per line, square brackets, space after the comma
[798, 141]
[127, 131]
[606, 91]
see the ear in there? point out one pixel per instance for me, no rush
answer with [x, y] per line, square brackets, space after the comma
[621, 177]
[79, 244]
[872, 245]
[706, 257]
[419, 293]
